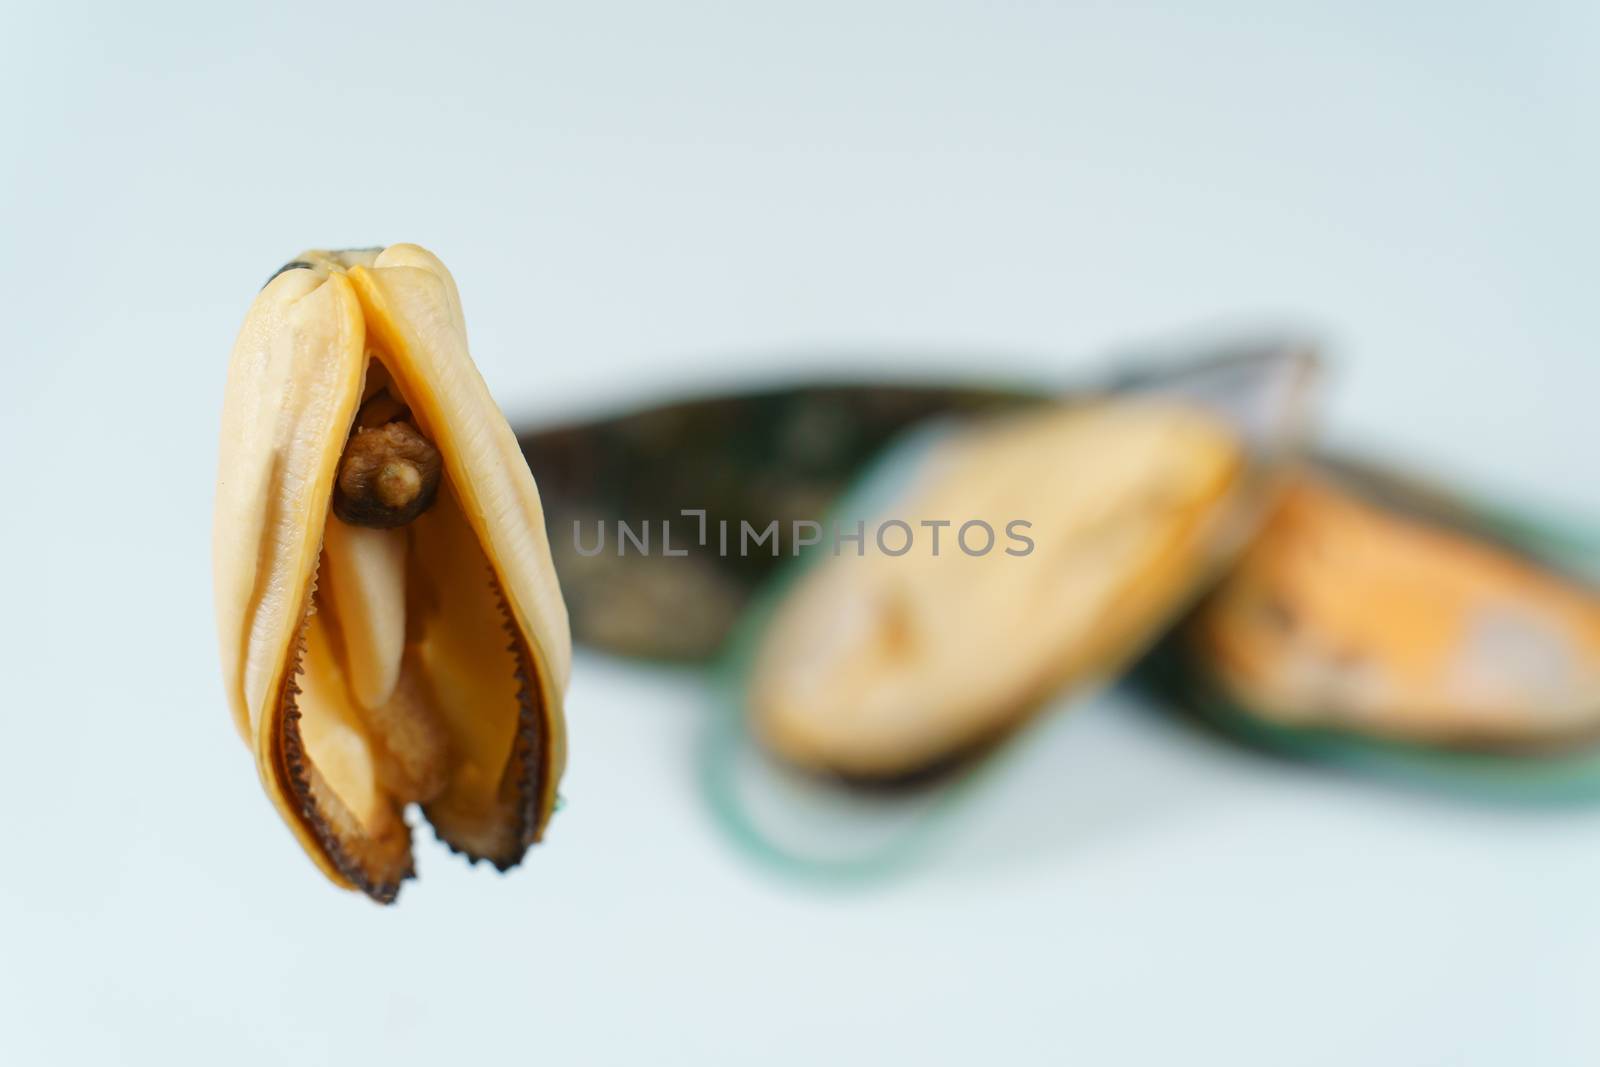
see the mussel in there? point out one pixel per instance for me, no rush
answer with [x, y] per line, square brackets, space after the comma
[392, 632]
[1017, 555]
[1376, 607]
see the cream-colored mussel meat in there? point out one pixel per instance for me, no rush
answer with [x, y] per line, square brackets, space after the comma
[391, 628]
[881, 666]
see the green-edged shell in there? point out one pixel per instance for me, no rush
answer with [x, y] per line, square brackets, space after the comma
[1384, 623]
[1200, 469]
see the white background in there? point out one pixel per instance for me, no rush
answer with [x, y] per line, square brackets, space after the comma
[647, 197]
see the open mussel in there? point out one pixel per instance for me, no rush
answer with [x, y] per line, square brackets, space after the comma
[1009, 558]
[391, 629]
[1377, 616]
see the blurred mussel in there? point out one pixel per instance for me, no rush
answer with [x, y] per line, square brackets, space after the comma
[999, 561]
[980, 570]
[1381, 620]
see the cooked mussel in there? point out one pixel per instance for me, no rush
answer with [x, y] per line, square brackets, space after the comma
[1020, 555]
[391, 628]
[1374, 606]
